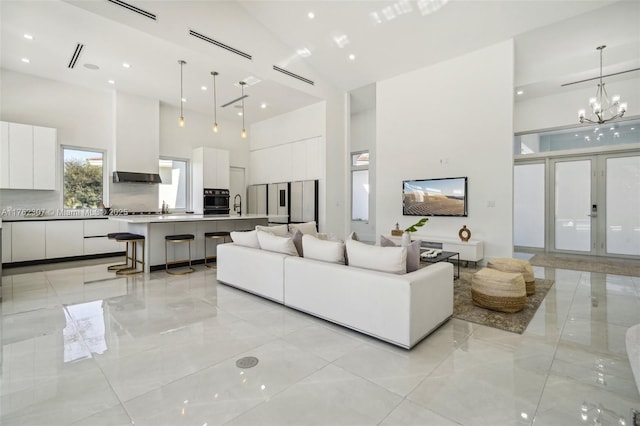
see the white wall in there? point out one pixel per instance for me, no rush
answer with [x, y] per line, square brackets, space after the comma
[83, 117]
[451, 119]
[363, 138]
[560, 110]
[87, 118]
[291, 147]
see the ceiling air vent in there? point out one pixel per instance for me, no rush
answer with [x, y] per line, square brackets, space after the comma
[76, 55]
[219, 44]
[290, 74]
[132, 8]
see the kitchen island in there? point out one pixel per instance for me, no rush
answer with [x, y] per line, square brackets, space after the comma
[156, 227]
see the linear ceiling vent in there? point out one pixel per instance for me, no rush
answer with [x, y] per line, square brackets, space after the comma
[290, 74]
[132, 8]
[219, 44]
[76, 55]
[597, 78]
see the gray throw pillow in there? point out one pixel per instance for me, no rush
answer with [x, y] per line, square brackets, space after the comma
[297, 241]
[413, 252]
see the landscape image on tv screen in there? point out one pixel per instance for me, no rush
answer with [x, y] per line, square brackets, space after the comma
[435, 197]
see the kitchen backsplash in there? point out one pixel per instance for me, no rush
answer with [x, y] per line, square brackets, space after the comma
[134, 196]
[28, 199]
[130, 196]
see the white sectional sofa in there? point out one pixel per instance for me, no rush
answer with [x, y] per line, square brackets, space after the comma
[399, 309]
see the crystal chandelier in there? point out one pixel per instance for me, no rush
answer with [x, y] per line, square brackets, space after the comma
[602, 109]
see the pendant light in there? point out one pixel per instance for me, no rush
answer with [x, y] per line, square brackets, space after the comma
[181, 120]
[244, 131]
[215, 103]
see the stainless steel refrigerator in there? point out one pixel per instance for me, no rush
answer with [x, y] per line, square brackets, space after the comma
[278, 202]
[257, 199]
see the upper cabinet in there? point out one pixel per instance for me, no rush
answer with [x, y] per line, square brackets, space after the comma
[27, 156]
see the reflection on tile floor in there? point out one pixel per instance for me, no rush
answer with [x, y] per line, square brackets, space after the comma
[81, 346]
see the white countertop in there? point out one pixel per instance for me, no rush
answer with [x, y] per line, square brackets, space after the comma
[183, 217]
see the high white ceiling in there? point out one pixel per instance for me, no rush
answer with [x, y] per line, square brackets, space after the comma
[555, 43]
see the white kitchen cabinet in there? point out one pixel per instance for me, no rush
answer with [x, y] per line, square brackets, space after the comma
[4, 154]
[28, 241]
[6, 242]
[44, 158]
[27, 157]
[20, 156]
[64, 238]
[210, 169]
[222, 169]
[95, 236]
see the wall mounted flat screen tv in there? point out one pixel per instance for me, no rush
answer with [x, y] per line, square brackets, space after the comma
[435, 197]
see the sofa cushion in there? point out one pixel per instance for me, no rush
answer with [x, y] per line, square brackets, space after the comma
[277, 244]
[307, 228]
[383, 259]
[246, 238]
[413, 252]
[326, 251]
[279, 230]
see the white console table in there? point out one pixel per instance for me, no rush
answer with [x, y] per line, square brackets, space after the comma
[470, 251]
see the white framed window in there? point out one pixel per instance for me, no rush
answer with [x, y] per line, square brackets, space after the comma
[360, 186]
[83, 183]
[174, 187]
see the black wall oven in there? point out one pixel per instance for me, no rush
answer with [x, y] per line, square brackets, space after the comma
[216, 201]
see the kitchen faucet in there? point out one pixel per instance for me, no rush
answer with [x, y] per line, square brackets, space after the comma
[237, 204]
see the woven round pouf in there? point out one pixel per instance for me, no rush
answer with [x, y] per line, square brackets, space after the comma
[516, 265]
[498, 291]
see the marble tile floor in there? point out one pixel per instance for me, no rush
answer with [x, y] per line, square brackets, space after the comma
[81, 346]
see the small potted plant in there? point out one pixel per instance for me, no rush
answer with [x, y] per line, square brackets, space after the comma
[406, 236]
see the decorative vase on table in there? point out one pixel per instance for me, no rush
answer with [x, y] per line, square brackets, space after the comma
[406, 239]
[406, 236]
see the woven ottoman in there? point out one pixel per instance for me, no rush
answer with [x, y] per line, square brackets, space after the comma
[516, 265]
[498, 291]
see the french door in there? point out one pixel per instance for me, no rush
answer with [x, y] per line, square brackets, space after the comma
[594, 205]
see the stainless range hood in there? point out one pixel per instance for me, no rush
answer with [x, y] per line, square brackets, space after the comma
[132, 177]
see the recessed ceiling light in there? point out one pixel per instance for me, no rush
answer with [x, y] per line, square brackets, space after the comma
[91, 67]
[519, 92]
[111, 82]
[263, 105]
[184, 99]
[126, 65]
[28, 36]
[311, 15]
[26, 60]
[352, 57]
[203, 88]
[633, 128]
[304, 52]
[240, 113]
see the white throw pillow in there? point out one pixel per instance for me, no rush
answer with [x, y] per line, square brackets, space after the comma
[326, 251]
[413, 252]
[307, 228]
[383, 259]
[270, 242]
[279, 230]
[246, 238]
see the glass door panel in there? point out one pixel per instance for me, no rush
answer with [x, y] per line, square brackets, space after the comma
[529, 205]
[572, 205]
[623, 205]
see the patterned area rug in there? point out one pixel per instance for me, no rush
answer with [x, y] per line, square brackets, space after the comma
[588, 263]
[464, 309]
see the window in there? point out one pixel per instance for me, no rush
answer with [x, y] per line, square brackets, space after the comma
[173, 189]
[83, 178]
[360, 186]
